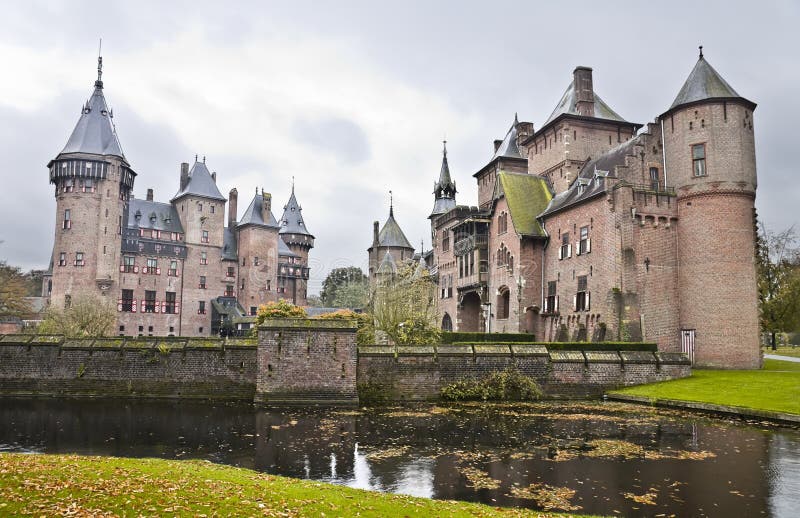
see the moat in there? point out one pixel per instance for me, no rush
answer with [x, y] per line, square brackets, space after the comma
[587, 457]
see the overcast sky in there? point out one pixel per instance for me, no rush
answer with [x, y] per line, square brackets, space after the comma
[353, 98]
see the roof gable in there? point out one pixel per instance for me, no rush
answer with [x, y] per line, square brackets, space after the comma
[392, 235]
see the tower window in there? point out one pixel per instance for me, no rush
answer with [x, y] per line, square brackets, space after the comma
[550, 302]
[170, 304]
[204, 239]
[79, 259]
[67, 219]
[203, 258]
[255, 261]
[582, 296]
[584, 245]
[699, 159]
[62, 259]
[229, 290]
[126, 304]
[202, 284]
[201, 310]
[565, 250]
[654, 178]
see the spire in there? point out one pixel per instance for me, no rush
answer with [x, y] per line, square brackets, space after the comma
[391, 205]
[95, 133]
[701, 51]
[99, 82]
[444, 190]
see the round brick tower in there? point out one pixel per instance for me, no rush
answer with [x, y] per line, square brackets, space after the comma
[93, 181]
[709, 151]
[300, 241]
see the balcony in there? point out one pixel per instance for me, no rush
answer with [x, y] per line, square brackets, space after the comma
[476, 279]
[654, 188]
[469, 243]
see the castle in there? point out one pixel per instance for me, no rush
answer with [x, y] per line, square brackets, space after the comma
[592, 227]
[171, 268]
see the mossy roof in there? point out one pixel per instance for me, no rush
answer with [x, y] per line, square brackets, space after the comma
[527, 196]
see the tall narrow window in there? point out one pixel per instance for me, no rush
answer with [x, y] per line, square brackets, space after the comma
[445, 241]
[202, 285]
[229, 290]
[79, 259]
[128, 264]
[565, 250]
[654, 181]
[255, 261]
[127, 301]
[169, 303]
[231, 272]
[203, 258]
[201, 310]
[582, 296]
[550, 301]
[204, 239]
[149, 301]
[584, 245]
[62, 259]
[152, 266]
[67, 219]
[173, 268]
[699, 159]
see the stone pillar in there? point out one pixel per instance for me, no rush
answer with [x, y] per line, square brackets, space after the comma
[306, 362]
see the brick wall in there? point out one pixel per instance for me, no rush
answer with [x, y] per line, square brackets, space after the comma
[155, 368]
[305, 361]
[414, 373]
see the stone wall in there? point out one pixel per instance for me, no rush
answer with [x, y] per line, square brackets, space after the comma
[303, 362]
[416, 373]
[306, 361]
[117, 367]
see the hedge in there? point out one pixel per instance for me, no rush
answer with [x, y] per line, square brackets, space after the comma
[451, 337]
[576, 346]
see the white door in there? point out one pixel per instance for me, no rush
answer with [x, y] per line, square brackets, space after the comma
[687, 343]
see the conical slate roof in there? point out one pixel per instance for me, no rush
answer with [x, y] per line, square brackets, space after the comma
[568, 105]
[200, 184]
[95, 132]
[253, 214]
[509, 148]
[391, 234]
[284, 251]
[703, 83]
[292, 219]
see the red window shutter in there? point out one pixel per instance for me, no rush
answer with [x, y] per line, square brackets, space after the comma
[157, 307]
[158, 271]
[122, 267]
[588, 245]
[133, 306]
[575, 302]
[588, 300]
[119, 306]
[135, 269]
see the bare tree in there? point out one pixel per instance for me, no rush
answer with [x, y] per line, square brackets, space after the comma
[87, 316]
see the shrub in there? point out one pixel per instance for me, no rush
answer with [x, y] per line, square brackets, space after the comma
[449, 337]
[507, 385]
[280, 309]
[365, 335]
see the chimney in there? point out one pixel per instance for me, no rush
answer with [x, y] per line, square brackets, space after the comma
[375, 241]
[184, 175]
[233, 200]
[497, 145]
[149, 194]
[267, 206]
[584, 91]
[214, 176]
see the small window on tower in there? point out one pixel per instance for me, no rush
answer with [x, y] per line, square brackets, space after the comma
[203, 258]
[79, 259]
[205, 237]
[699, 159]
[62, 259]
[67, 219]
[654, 182]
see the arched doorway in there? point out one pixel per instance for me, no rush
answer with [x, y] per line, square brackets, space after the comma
[531, 321]
[447, 322]
[503, 302]
[470, 313]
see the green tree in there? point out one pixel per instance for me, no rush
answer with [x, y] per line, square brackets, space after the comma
[87, 316]
[404, 307]
[778, 270]
[353, 294]
[337, 278]
[13, 290]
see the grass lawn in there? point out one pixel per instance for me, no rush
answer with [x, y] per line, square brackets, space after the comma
[784, 351]
[775, 388]
[47, 485]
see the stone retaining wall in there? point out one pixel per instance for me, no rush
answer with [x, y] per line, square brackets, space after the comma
[300, 363]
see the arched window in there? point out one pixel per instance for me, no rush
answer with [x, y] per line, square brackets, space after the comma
[503, 300]
[447, 323]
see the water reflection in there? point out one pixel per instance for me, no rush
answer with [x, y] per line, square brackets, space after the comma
[596, 458]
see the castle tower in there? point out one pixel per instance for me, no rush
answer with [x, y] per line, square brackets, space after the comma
[709, 154]
[391, 240]
[93, 181]
[444, 190]
[257, 239]
[294, 272]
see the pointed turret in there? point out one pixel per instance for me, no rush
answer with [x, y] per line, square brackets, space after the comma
[293, 227]
[703, 84]
[444, 190]
[391, 235]
[389, 240]
[508, 147]
[95, 133]
[259, 212]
